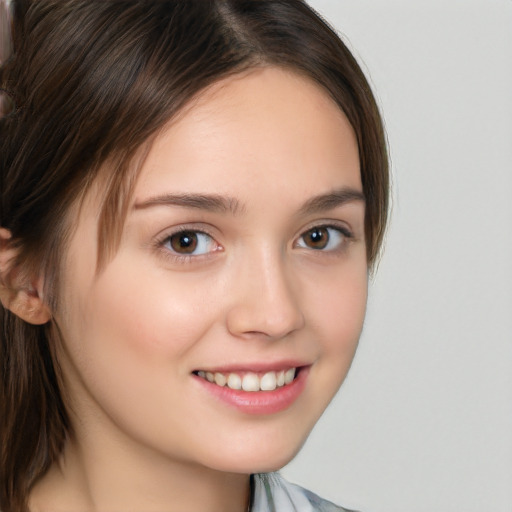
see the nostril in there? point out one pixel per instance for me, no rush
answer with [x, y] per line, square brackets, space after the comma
[266, 304]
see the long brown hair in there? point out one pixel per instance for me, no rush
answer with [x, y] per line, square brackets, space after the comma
[91, 81]
[5, 47]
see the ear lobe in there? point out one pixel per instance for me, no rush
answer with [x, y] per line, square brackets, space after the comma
[25, 303]
[22, 298]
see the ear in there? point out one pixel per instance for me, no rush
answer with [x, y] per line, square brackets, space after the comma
[20, 295]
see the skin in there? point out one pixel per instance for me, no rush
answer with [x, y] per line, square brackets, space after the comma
[148, 437]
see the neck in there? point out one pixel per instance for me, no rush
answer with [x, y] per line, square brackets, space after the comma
[94, 477]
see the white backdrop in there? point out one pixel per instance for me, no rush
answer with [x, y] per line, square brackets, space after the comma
[424, 420]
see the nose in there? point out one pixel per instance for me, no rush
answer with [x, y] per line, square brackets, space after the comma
[266, 300]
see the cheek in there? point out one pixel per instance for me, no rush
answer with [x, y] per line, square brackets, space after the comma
[129, 330]
[127, 344]
[344, 314]
[337, 305]
[150, 314]
[336, 308]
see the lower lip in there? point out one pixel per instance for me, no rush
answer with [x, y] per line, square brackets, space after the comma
[259, 402]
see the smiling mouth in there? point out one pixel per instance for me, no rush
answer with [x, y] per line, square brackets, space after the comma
[251, 381]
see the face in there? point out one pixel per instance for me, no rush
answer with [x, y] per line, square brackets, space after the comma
[242, 261]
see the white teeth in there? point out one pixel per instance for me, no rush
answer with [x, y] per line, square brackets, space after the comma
[289, 375]
[251, 381]
[268, 381]
[220, 379]
[234, 381]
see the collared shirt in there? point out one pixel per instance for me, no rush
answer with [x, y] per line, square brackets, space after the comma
[272, 493]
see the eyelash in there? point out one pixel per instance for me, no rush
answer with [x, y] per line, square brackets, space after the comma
[164, 242]
[342, 231]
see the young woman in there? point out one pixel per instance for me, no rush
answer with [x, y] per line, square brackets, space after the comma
[192, 195]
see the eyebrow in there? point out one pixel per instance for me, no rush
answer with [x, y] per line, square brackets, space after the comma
[225, 204]
[208, 202]
[331, 200]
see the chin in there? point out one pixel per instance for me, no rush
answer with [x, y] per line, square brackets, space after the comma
[256, 457]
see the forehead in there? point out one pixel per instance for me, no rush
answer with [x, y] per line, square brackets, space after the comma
[268, 136]
[266, 126]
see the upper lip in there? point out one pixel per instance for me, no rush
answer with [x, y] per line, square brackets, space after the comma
[258, 367]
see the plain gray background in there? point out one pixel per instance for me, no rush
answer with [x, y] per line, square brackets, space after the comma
[424, 420]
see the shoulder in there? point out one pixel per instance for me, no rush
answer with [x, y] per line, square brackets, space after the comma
[272, 493]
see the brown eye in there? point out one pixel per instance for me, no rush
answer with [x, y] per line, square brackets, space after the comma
[316, 238]
[184, 242]
[189, 244]
[324, 238]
